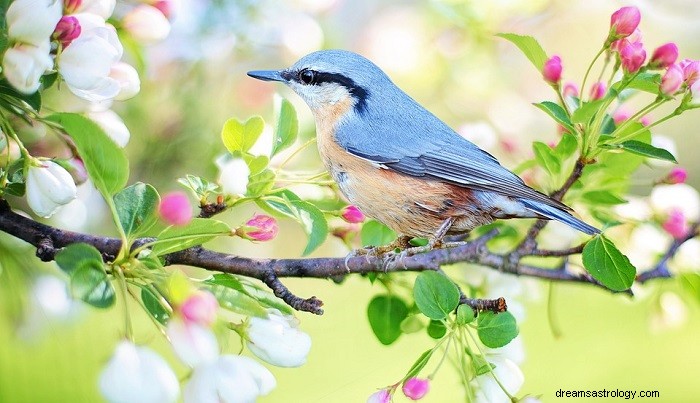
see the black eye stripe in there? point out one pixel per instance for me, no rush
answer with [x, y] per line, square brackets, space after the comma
[357, 91]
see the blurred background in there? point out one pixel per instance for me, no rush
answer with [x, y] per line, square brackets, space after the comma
[445, 55]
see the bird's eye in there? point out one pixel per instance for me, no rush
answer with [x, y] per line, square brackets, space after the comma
[307, 76]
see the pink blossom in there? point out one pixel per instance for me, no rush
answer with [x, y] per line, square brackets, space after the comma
[175, 208]
[635, 37]
[664, 56]
[352, 214]
[260, 228]
[632, 57]
[677, 175]
[380, 396]
[570, 90]
[67, 29]
[200, 308]
[551, 71]
[624, 21]
[598, 90]
[416, 388]
[672, 80]
[691, 71]
[676, 224]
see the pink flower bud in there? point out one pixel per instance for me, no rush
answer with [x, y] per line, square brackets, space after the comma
[598, 90]
[677, 175]
[352, 214]
[570, 90]
[416, 388]
[67, 29]
[635, 37]
[76, 169]
[645, 120]
[71, 6]
[552, 70]
[200, 308]
[675, 224]
[175, 208]
[672, 80]
[380, 396]
[621, 114]
[165, 6]
[664, 56]
[624, 21]
[259, 228]
[691, 71]
[632, 57]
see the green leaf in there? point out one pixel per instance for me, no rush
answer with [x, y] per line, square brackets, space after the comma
[607, 264]
[105, 162]
[436, 329]
[287, 127]
[647, 82]
[412, 324]
[645, 150]
[136, 208]
[33, 100]
[530, 47]
[256, 164]
[309, 216]
[239, 136]
[465, 314]
[153, 307]
[546, 158]
[374, 233]
[89, 282]
[603, 197]
[586, 112]
[690, 283]
[419, 364]
[236, 301]
[260, 183]
[435, 294]
[479, 363]
[265, 298]
[197, 232]
[557, 113]
[567, 146]
[77, 255]
[385, 314]
[496, 330]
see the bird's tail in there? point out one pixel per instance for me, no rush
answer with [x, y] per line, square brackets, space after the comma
[558, 214]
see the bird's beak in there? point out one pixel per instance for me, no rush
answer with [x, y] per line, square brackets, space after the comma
[267, 75]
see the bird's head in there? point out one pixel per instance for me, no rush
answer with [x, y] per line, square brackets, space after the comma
[328, 77]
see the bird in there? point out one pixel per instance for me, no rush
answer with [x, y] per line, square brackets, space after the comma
[399, 163]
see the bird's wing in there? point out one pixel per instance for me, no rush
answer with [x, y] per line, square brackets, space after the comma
[435, 151]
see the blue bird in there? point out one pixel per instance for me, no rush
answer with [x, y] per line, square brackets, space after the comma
[399, 163]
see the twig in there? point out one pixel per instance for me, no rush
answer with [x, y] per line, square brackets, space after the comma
[660, 270]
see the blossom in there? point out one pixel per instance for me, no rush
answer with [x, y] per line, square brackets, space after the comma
[632, 56]
[167, 7]
[32, 21]
[416, 388]
[552, 70]
[86, 64]
[672, 80]
[380, 396]
[146, 24]
[676, 224]
[664, 56]
[138, 374]
[691, 71]
[624, 21]
[695, 93]
[598, 90]
[101, 8]
[49, 186]
[228, 379]
[175, 208]
[112, 125]
[677, 175]
[194, 344]
[128, 79]
[509, 375]
[259, 228]
[233, 175]
[352, 214]
[200, 308]
[278, 340]
[24, 64]
[666, 198]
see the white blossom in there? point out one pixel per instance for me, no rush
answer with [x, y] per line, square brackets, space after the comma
[137, 374]
[194, 344]
[229, 379]
[128, 79]
[49, 186]
[32, 21]
[278, 340]
[113, 125]
[508, 374]
[665, 198]
[233, 174]
[102, 8]
[24, 64]
[146, 24]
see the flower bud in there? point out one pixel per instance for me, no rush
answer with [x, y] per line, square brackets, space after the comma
[570, 90]
[32, 21]
[76, 168]
[632, 56]
[175, 209]
[146, 24]
[200, 308]
[415, 388]
[672, 80]
[552, 70]
[277, 340]
[101, 8]
[664, 56]
[259, 228]
[71, 6]
[67, 29]
[49, 186]
[676, 224]
[24, 64]
[352, 214]
[137, 374]
[166, 7]
[380, 396]
[677, 175]
[598, 90]
[624, 21]
[128, 78]
[621, 114]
